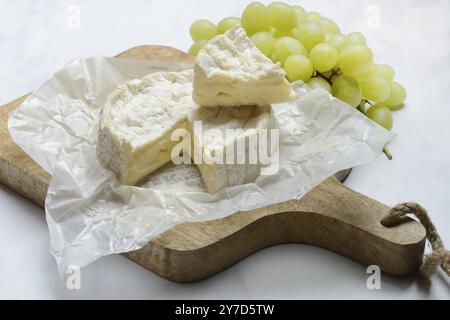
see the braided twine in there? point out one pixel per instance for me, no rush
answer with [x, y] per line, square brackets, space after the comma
[439, 256]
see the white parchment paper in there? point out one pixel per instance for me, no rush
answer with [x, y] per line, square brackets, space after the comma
[91, 215]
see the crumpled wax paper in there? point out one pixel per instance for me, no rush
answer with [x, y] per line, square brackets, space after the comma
[91, 215]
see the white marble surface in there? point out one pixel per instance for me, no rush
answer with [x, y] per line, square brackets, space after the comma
[39, 37]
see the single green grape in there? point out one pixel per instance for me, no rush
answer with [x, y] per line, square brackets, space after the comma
[386, 72]
[313, 16]
[318, 82]
[380, 114]
[202, 30]
[397, 97]
[357, 38]
[255, 18]
[300, 13]
[287, 46]
[228, 23]
[375, 89]
[364, 72]
[330, 27]
[196, 46]
[309, 34]
[264, 41]
[354, 56]
[282, 16]
[298, 67]
[347, 90]
[338, 41]
[323, 57]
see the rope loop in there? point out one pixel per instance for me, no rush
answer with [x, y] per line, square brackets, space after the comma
[439, 256]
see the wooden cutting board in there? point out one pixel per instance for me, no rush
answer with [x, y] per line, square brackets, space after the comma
[330, 216]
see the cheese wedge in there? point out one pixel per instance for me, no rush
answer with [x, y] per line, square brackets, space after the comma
[231, 71]
[137, 121]
[222, 149]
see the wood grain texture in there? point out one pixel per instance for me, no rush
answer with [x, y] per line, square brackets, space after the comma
[331, 216]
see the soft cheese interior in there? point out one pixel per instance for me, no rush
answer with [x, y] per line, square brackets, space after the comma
[137, 122]
[231, 71]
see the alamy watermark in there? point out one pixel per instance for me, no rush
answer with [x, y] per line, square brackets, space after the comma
[73, 17]
[73, 277]
[374, 280]
[373, 17]
[227, 147]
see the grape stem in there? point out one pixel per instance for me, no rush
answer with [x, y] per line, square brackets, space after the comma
[367, 101]
[334, 73]
[323, 77]
[387, 152]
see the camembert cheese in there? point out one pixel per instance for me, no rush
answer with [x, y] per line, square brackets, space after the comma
[230, 71]
[137, 121]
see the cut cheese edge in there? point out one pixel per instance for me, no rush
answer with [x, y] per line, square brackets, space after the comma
[230, 71]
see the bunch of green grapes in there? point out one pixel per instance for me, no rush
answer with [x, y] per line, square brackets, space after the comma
[312, 48]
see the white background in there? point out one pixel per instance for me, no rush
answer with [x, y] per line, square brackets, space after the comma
[39, 37]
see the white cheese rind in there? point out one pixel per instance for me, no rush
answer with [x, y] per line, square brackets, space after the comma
[137, 121]
[231, 71]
